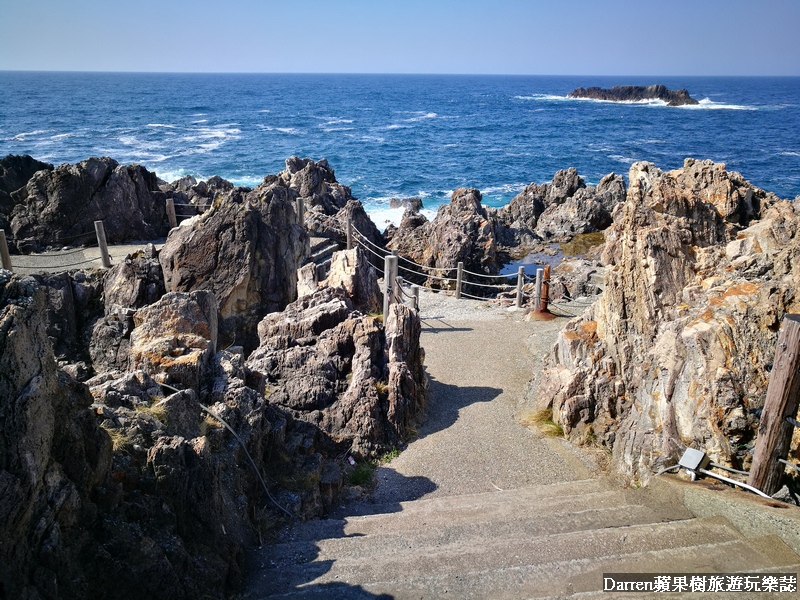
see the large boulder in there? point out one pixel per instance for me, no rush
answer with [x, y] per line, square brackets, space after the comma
[327, 365]
[674, 352]
[60, 206]
[15, 172]
[246, 249]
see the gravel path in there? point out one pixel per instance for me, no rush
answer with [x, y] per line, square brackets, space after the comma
[479, 358]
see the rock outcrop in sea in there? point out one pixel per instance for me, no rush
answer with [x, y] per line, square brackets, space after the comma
[701, 266]
[635, 93]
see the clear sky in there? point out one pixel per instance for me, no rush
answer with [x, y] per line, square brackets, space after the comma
[537, 37]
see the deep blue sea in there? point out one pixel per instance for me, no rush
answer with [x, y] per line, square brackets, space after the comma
[401, 135]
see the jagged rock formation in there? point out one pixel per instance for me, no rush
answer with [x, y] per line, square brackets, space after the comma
[15, 172]
[635, 93]
[565, 207]
[246, 250]
[700, 268]
[335, 368]
[61, 205]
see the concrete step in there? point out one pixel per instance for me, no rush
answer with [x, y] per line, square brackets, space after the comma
[317, 243]
[510, 529]
[576, 577]
[366, 518]
[324, 252]
[464, 555]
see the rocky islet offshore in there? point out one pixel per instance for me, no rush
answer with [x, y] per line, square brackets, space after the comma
[102, 461]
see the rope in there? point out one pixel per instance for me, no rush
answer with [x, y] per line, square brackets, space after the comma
[488, 276]
[241, 443]
[425, 274]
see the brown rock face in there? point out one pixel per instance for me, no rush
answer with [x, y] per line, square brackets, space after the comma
[673, 353]
[246, 250]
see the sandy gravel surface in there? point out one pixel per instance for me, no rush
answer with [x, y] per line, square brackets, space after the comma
[479, 358]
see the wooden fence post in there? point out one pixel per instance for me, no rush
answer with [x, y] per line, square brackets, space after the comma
[459, 278]
[101, 242]
[415, 293]
[173, 219]
[520, 283]
[396, 295]
[349, 233]
[300, 209]
[774, 432]
[387, 284]
[4, 254]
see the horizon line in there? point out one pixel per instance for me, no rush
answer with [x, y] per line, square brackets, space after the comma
[366, 73]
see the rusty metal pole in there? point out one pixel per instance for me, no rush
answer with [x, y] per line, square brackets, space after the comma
[783, 392]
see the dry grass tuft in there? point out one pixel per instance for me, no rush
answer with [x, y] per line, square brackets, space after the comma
[543, 421]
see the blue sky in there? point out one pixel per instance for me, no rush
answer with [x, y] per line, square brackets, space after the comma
[569, 37]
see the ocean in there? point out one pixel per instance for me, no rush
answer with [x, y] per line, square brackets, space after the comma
[401, 136]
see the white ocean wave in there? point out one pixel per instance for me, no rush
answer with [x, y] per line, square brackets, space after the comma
[331, 129]
[395, 126]
[430, 115]
[623, 159]
[200, 121]
[789, 153]
[161, 125]
[20, 137]
[709, 104]
[385, 216]
[508, 188]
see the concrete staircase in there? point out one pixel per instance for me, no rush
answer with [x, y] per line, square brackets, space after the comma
[322, 250]
[547, 541]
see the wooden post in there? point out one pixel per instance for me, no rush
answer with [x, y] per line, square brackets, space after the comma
[396, 297]
[349, 233]
[5, 257]
[300, 209]
[101, 242]
[459, 278]
[415, 293]
[398, 289]
[387, 284]
[520, 283]
[173, 219]
[537, 298]
[774, 432]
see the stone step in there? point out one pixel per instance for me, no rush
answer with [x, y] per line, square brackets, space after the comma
[366, 518]
[462, 556]
[317, 243]
[324, 252]
[573, 577]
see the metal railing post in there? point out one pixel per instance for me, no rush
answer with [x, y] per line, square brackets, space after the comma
[4, 254]
[537, 298]
[101, 242]
[349, 233]
[459, 279]
[520, 283]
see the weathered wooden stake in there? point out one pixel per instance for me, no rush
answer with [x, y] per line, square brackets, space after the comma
[101, 243]
[459, 278]
[520, 283]
[415, 293]
[396, 296]
[173, 219]
[349, 233]
[545, 289]
[387, 284]
[300, 209]
[774, 432]
[398, 290]
[4, 254]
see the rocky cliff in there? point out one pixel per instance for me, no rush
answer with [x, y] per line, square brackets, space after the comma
[700, 268]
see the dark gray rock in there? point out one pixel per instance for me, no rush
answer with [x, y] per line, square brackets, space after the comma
[61, 205]
[635, 93]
